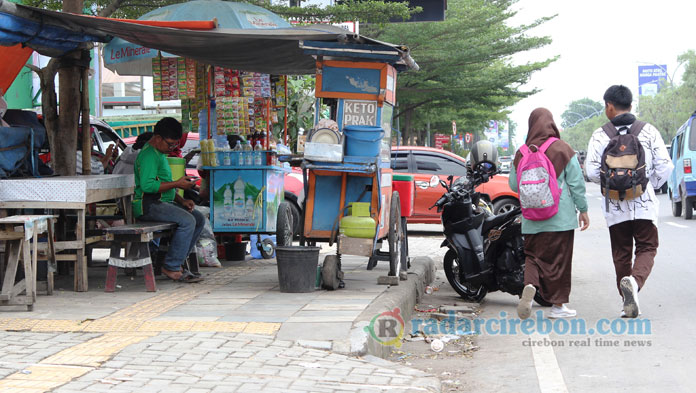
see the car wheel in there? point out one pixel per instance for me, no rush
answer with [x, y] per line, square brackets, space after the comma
[664, 188]
[688, 208]
[505, 205]
[676, 207]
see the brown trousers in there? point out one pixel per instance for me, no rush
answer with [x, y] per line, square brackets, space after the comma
[548, 264]
[622, 235]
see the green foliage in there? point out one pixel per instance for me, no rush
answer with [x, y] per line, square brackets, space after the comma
[300, 107]
[466, 72]
[350, 10]
[579, 135]
[580, 110]
[365, 11]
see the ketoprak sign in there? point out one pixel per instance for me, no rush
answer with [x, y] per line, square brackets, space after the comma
[649, 78]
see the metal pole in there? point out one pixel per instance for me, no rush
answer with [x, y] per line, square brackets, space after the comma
[427, 137]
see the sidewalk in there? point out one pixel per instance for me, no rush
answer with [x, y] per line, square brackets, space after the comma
[233, 332]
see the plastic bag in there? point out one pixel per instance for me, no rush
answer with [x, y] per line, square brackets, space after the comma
[206, 246]
[206, 250]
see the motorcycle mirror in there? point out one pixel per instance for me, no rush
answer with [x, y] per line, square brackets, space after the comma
[450, 178]
[443, 184]
[434, 181]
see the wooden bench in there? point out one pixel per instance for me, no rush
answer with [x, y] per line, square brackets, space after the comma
[135, 238]
[21, 237]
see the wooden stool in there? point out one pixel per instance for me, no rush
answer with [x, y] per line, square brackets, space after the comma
[21, 235]
[135, 238]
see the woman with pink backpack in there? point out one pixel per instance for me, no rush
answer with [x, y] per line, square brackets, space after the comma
[547, 175]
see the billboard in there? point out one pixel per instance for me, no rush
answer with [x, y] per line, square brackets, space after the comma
[441, 140]
[498, 134]
[649, 78]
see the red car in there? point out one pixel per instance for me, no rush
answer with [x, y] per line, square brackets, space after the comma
[428, 166]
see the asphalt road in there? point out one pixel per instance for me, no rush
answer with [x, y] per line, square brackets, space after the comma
[608, 360]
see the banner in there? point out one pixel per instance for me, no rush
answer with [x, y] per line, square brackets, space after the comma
[650, 77]
[441, 140]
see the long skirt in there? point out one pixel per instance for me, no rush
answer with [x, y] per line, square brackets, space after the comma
[548, 264]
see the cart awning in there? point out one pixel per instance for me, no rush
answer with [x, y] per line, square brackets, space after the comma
[273, 51]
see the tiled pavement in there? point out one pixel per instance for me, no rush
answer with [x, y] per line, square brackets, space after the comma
[234, 332]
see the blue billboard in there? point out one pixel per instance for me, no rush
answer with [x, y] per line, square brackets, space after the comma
[649, 78]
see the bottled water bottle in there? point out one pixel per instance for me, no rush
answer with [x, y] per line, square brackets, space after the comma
[258, 154]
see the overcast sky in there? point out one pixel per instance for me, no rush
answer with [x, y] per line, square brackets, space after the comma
[601, 43]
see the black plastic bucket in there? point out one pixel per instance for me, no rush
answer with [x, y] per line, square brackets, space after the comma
[297, 268]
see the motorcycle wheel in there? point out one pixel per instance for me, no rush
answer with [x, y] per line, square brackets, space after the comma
[451, 267]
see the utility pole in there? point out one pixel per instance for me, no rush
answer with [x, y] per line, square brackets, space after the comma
[427, 134]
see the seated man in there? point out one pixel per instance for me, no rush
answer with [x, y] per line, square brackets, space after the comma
[156, 198]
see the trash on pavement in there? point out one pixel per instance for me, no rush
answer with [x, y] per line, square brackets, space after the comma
[437, 345]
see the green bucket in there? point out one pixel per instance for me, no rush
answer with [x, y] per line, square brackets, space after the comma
[178, 167]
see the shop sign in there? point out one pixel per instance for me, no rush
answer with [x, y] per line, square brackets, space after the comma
[359, 113]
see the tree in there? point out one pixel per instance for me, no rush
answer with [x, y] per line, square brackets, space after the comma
[579, 135]
[466, 72]
[580, 110]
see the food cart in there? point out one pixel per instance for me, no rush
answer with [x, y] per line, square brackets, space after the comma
[361, 97]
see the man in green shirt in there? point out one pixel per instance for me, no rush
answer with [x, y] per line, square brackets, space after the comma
[156, 198]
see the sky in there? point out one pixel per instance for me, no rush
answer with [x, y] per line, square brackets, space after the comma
[600, 43]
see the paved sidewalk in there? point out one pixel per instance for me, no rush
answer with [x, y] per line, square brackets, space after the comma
[233, 332]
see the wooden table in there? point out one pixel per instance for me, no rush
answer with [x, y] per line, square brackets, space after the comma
[68, 193]
[21, 235]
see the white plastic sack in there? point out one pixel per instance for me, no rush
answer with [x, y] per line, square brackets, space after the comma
[206, 246]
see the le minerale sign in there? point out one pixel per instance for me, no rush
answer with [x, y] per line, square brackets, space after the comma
[359, 113]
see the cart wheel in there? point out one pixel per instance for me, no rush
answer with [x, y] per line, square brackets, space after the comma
[395, 235]
[267, 248]
[284, 225]
[330, 273]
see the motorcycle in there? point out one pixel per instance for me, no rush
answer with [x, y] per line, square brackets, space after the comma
[486, 251]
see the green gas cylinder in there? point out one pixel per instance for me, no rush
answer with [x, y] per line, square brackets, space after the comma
[358, 223]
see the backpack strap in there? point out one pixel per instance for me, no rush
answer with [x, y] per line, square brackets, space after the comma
[610, 130]
[546, 144]
[524, 149]
[636, 127]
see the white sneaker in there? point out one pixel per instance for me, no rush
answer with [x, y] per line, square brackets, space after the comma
[524, 308]
[629, 290]
[561, 312]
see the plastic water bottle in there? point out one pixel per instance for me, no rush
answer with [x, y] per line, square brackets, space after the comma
[237, 151]
[248, 154]
[258, 153]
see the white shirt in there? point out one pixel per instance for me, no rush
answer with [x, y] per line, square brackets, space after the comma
[658, 167]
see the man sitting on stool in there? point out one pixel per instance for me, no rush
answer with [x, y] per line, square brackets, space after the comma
[156, 198]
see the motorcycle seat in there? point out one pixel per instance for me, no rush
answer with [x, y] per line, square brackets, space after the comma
[492, 222]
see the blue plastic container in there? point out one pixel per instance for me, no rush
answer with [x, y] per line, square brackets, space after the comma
[363, 140]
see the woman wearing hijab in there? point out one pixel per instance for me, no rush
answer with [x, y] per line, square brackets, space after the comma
[548, 244]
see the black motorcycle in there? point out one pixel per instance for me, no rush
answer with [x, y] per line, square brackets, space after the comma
[486, 252]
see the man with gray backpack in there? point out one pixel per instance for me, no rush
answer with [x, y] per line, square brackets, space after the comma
[628, 158]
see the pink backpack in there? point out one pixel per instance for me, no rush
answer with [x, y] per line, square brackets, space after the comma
[537, 184]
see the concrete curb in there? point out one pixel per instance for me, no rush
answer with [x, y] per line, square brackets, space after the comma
[404, 296]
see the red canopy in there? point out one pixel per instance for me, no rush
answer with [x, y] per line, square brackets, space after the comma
[15, 57]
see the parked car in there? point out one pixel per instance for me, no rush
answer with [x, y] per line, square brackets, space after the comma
[681, 185]
[102, 137]
[429, 166]
[505, 163]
